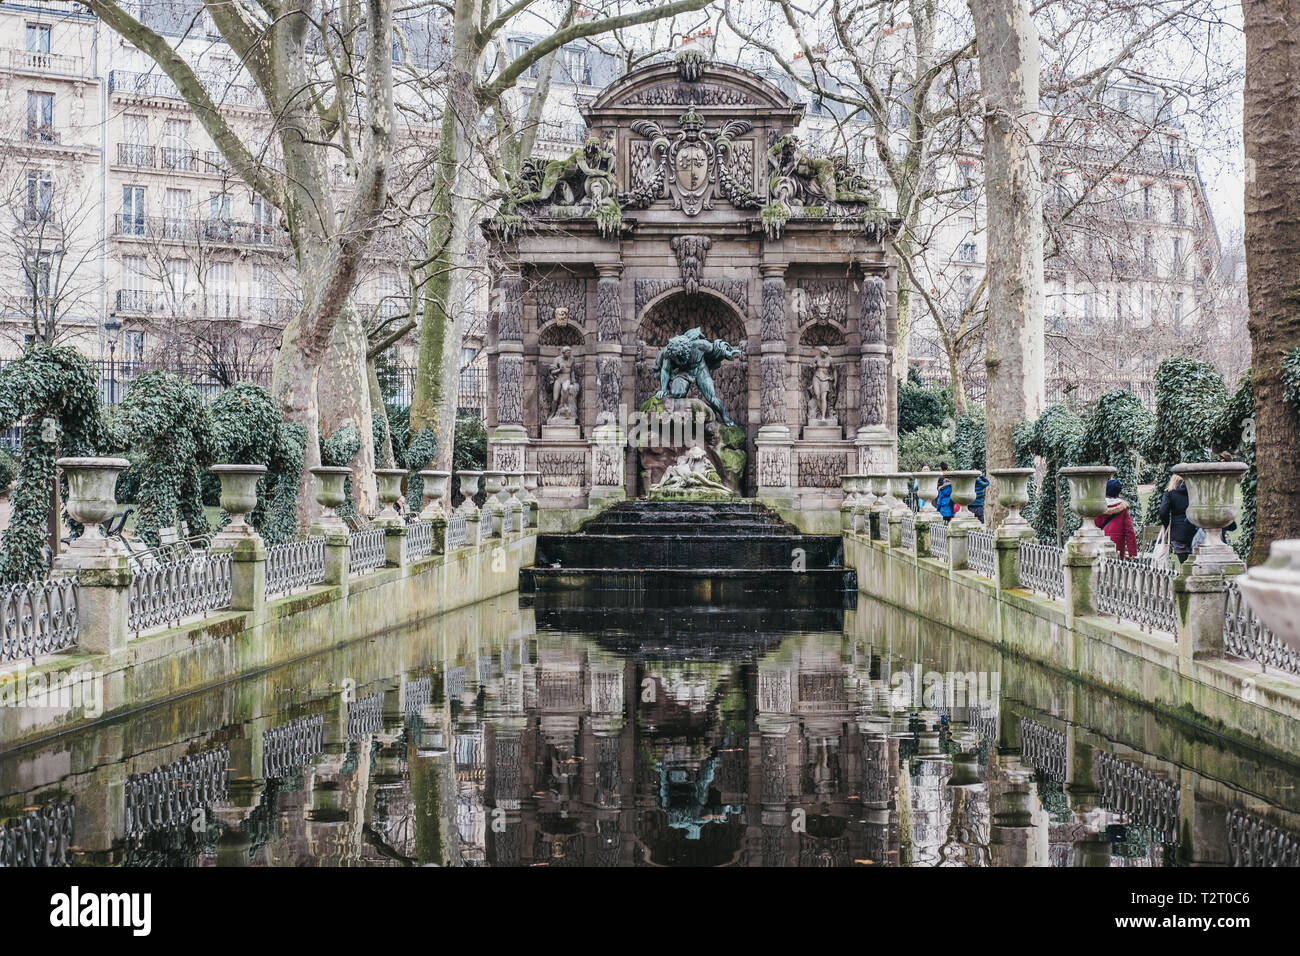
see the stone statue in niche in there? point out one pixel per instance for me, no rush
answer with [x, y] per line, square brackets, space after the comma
[823, 387]
[688, 359]
[564, 389]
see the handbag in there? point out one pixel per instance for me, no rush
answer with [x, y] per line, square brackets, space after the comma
[1160, 550]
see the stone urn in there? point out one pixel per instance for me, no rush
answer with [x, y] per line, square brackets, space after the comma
[92, 500]
[881, 503]
[436, 484]
[330, 493]
[1273, 591]
[468, 481]
[238, 495]
[514, 489]
[963, 493]
[1088, 501]
[900, 484]
[1013, 494]
[531, 480]
[927, 489]
[849, 485]
[390, 489]
[1212, 506]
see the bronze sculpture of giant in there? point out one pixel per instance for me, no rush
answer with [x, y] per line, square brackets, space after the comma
[691, 358]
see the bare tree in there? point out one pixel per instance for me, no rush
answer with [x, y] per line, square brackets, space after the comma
[317, 66]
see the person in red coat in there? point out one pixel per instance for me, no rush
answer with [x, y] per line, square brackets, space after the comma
[1117, 522]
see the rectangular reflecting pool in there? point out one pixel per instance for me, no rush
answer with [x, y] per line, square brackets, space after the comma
[551, 734]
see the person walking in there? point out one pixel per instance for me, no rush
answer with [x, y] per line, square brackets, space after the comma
[1117, 522]
[977, 506]
[1173, 516]
[945, 502]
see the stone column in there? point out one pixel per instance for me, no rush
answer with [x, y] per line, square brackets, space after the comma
[875, 441]
[104, 600]
[772, 364]
[510, 438]
[609, 343]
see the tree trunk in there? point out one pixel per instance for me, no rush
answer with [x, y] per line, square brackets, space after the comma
[1271, 104]
[293, 384]
[386, 458]
[1009, 61]
[903, 337]
[437, 377]
[958, 382]
[344, 395]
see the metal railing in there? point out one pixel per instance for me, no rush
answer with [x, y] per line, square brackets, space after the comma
[907, 536]
[980, 555]
[419, 540]
[1144, 797]
[291, 565]
[1137, 591]
[1244, 635]
[939, 540]
[1252, 842]
[43, 837]
[222, 91]
[216, 231]
[366, 550]
[293, 745]
[167, 593]
[139, 155]
[1044, 748]
[457, 531]
[39, 617]
[1041, 569]
[485, 523]
[365, 716]
[168, 797]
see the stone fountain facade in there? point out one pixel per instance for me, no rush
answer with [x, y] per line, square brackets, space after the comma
[691, 205]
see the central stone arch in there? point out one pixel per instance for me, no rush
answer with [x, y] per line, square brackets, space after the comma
[678, 311]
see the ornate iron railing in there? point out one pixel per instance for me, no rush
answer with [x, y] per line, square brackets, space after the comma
[292, 745]
[907, 536]
[1144, 797]
[39, 617]
[980, 553]
[366, 550]
[168, 797]
[1252, 842]
[365, 716]
[1138, 591]
[419, 540]
[939, 540]
[419, 695]
[291, 565]
[1041, 569]
[167, 593]
[486, 520]
[1044, 748]
[457, 531]
[41, 838]
[1244, 635]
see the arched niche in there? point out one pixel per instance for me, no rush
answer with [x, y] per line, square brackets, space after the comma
[678, 312]
[557, 334]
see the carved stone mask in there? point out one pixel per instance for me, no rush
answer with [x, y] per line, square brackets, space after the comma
[561, 314]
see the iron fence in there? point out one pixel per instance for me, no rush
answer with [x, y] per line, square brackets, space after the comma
[980, 554]
[291, 565]
[1252, 842]
[365, 716]
[1244, 635]
[43, 837]
[40, 617]
[366, 550]
[165, 594]
[908, 533]
[1041, 568]
[287, 748]
[168, 797]
[939, 540]
[419, 539]
[1141, 592]
[1144, 797]
[457, 531]
[1043, 748]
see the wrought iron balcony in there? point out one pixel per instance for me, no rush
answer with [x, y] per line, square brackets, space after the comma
[219, 231]
[135, 154]
[204, 305]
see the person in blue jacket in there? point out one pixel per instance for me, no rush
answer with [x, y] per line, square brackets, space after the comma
[944, 502]
[977, 506]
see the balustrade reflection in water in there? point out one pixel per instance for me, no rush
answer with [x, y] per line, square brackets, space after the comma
[510, 736]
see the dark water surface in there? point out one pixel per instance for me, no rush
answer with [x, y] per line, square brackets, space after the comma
[509, 736]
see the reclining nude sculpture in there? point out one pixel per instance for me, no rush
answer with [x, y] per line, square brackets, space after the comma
[691, 471]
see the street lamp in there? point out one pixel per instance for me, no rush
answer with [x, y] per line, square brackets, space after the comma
[112, 327]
